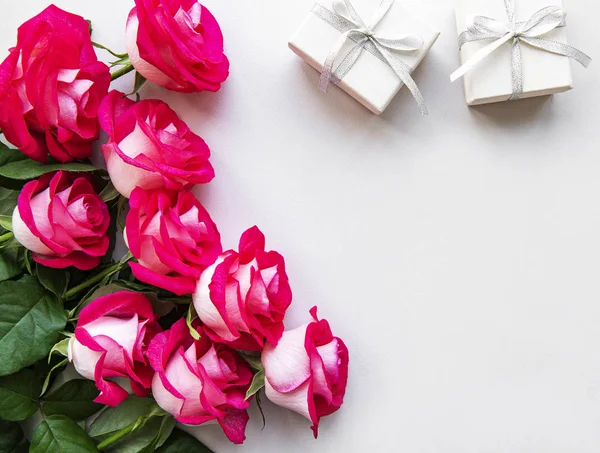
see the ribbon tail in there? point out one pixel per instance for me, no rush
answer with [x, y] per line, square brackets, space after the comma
[479, 56]
[517, 71]
[403, 71]
[327, 72]
[348, 62]
[560, 49]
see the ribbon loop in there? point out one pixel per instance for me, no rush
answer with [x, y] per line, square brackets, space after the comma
[406, 43]
[488, 26]
[539, 24]
[345, 9]
[345, 19]
[543, 22]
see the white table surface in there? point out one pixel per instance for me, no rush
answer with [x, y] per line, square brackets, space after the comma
[457, 255]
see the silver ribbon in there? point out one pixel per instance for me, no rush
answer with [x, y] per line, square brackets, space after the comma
[346, 20]
[542, 22]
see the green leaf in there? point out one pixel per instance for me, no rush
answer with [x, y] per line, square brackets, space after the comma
[6, 222]
[8, 155]
[109, 193]
[30, 323]
[191, 316]
[30, 169]
[12, 438]
[18, 395]
[27, 259]
[8, 201]
[146, 438]
[138, 83]
[123, 61]
[59, 366]
[182, 442]
[260, 408]
[11, 264]
[89, 26]
[114, 419]
[60, 434]
[60, 348]
[73, 399]
[258, 382]
[54, 280]
[253, 360]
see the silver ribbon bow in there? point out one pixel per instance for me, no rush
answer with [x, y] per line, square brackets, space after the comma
[529, 32]
[345, 19]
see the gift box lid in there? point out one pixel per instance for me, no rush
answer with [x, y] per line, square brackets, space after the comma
[544, 73]
[371, 81]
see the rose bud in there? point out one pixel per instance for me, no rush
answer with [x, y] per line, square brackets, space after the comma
[198, 381]
[243, 297]
[63, 221]
[177, 44]
[307, 371]
[51, 85]
[110, 341]
[150, 147]
[173, 238]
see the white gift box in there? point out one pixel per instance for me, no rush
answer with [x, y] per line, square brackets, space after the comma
[371, 81]
[544, 73]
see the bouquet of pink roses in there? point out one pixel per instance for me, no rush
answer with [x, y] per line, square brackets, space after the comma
[177, 330]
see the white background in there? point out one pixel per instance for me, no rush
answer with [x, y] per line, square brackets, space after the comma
[457, 255]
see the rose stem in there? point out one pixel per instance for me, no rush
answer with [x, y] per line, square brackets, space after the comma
[95, 279]
[118, 435]
[121, 72]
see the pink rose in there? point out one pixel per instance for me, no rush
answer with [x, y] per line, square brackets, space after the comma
[243, 297]
[110, 341]
[63, 221]
[51, 85]
[177, 44]
[307, 371]
[173, 238]
[200, 381]
[150, 147]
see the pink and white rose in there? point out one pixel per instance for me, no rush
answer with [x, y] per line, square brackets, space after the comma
[242, 298]
[198, 381]
[177, 44]
[51, 85]
[150, 147]
[63, 221]
[110, 341]
[173, 238]
[307, 371]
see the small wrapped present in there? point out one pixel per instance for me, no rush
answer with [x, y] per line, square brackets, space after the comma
[512, 49]
[368, 48]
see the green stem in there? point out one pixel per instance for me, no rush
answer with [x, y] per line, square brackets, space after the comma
[97, 278]
[117, 436]
[115, 54]
[6, 237]
[121, 72]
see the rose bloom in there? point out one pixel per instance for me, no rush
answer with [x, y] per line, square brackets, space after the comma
[177, 44]
[243, 297]
[63, 221]
[173, 238]
[110, 341]
[307, 371]
[51, 85]
[199, 381]
[150, 147]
